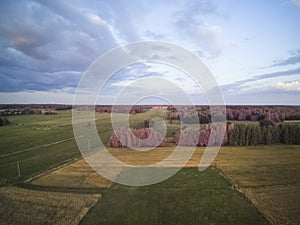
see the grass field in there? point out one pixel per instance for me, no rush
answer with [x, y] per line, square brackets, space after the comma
[37, 142]
[42, 144]
[189, 197]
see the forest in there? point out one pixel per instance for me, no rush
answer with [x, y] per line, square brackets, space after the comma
[239, 134]
[246, 126]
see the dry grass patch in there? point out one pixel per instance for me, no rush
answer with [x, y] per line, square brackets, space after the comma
[75, 175]
[268, 176]
[80, 175]
[156, 156]
[22, 206]
[280, 204]
[260, 165]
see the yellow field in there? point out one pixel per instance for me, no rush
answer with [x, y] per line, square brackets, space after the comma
[268, 176]
[22, 206]
[80, 175]
[75, 175]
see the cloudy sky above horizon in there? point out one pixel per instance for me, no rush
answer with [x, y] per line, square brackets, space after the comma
[251, 47]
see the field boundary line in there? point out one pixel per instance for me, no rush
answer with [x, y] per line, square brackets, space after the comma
[54, 168]
[87, 191]
[37, 147]
[242, 191]
[270, 185]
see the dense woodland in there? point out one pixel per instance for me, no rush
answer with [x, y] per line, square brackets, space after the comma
[235, 135]
[238, 113]
[245, 134]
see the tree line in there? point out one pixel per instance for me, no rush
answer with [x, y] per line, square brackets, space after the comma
[232, 135]
[189, 115]
[252, 134]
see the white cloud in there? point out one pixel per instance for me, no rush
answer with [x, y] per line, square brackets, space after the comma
[97, 19]
[117, 35]
[288, 86]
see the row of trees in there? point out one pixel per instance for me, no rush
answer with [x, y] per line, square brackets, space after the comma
[242, 135]
[12, 112]
[119, 109]
[250, 134]
[235, 135]
[239, 113]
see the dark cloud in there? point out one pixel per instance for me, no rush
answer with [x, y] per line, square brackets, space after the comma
[273, 97]
[275, 74]
[236, 86]
[40, 40]
[153, 36]
[133, 72]
[294, 58]
[18, 79]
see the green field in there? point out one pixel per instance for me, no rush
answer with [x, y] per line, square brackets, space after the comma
[189, 197]
[245, 185]
[39, 142]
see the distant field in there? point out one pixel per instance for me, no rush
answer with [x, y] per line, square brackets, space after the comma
[291, 121]
[244, 122]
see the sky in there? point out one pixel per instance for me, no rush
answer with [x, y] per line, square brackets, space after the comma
[252, 48]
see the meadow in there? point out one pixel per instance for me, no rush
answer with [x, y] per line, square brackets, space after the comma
[244, 185]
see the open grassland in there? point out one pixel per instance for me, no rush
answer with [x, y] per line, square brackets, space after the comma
[22, 206]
